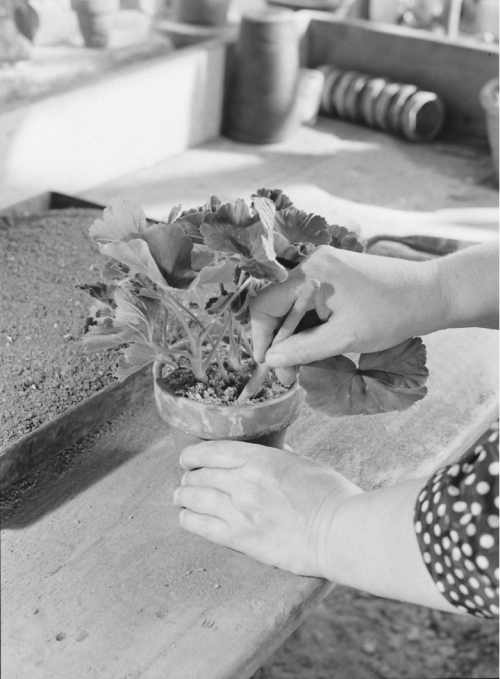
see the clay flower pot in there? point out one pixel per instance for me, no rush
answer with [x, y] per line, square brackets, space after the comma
[202, 12]
[191, 421]
[95, 19]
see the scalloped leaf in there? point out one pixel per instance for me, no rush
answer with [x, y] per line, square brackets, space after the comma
[171, 250]
[136, 255]
[191, 224]
[281, 201]
[120, 219]
[384, 381]
[344, 239]
[137, 356]
[233, 230]
[299, 227]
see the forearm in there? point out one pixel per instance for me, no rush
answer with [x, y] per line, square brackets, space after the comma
[460, 290]
[371, 545]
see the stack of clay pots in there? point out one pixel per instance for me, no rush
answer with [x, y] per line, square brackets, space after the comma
[397, 108]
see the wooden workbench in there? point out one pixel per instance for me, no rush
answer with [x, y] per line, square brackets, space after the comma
[99, 580]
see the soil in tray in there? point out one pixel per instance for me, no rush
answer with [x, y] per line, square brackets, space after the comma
[183, 383]
[43, 366]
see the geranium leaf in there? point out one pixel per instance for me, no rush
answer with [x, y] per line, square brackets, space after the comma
[137, 356]
[221, 273]
[136, 255]
[119, 219]
[384, 381]
[234, 230]
[342, 238]
[191, 224]
[171, 250]
[299, 227]
[281, 201]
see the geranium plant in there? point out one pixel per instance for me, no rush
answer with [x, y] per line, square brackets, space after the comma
[178, 292]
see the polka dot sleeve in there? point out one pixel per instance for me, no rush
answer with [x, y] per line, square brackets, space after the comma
[456, 523]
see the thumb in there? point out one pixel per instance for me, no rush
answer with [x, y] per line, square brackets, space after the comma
[305, 347]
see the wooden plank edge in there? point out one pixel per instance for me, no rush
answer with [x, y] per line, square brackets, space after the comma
[24, 455]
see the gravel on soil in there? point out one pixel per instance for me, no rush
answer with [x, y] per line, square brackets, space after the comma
[43, 366]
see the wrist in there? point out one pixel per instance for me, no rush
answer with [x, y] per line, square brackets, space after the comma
[431, 306]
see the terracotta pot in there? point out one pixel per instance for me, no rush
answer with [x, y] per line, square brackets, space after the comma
[193, 421]
[95, 19]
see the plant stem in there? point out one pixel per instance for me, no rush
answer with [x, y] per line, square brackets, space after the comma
[254, 383]
[227, 303]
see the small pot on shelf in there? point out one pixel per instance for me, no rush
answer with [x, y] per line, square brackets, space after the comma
[192, 421]
[95, 19]
[201, 12]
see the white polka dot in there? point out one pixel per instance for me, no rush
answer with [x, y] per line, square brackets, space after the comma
[466, 468]
[427, 557]
[479, 601]
[485, 578]
[437, 530]
[454, 596]
[437, 496]
[422, 495]
[482, 455]
[496, 501]
[474, 582]
[437, 549]
[438, 568]
[469, 603]
[493, 521]
[435, 487]
[470, 479]
[458, 573]
[467, 549]
[496, 574]
[493, 437]
[429, 517]
[456, 554]
[454, 470]
[462, 608]
[489, 592]
[446, 542]
[463, 589]
[459, 506]
[465, 519]
[470, 530]
[469, 565]
[418, 527]
[427, 538]
[441, 510]
[487, 541]
[453, 491]
[425, 506]
[454, 535]
[450, 578]
[478, 449]
[482, 562]
[475, 508]
[447, 561]
[440, 586]
[493, 468]
[483, 488]
[494, 609]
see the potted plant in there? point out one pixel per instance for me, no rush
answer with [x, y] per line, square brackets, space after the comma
[177, 295]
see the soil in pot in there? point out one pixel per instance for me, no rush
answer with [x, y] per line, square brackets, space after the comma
[43, 365]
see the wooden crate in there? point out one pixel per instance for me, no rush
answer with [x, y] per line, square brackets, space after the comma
[455, 70]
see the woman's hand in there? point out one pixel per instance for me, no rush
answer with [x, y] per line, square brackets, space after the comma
[369, 304]
[273, 505]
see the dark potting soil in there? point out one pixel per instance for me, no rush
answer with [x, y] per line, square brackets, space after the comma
[183, 383]
[43, 365]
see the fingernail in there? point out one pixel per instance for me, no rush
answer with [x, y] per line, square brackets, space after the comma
[275, 360]
[183, 480]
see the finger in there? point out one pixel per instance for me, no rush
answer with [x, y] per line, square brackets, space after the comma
[302, 304]
[263, 327]
[286, 376]
[221, 479]
[310, 345]
[203, 500]
[216, 454]
[209, 527]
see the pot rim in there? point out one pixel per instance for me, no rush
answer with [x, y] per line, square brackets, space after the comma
[157, 365]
